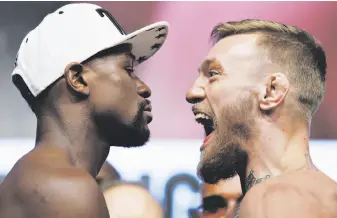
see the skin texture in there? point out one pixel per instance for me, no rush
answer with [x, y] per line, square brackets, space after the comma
[297, 194]
[131, 201]
[230, 190]
[92, 107]
[246, 94]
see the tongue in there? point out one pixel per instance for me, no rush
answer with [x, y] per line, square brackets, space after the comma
[207, 138]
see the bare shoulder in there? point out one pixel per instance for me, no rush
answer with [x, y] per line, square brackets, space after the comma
[308, 194]
[73, 193]
[276, 201]
[53, 188]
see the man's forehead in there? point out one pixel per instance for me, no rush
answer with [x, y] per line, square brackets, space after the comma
[237, 54]
[113, 59]
[238, 46]
[124, 56]
[224, 186]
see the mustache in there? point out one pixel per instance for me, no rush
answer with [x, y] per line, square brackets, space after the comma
[145, 105]
[202, 108]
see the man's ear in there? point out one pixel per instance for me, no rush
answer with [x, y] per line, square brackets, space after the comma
[76, 78]
[273, 91]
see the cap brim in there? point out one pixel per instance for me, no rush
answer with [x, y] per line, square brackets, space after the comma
[146, 41]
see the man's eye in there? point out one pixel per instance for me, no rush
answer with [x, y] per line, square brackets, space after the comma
[130, 70]
[213, 73]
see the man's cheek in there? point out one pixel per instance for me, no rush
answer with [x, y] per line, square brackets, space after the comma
[216, 94]
[224, 100]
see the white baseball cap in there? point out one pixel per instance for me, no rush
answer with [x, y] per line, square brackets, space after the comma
[74, 33]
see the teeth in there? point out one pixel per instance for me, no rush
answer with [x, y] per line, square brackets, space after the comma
[202, 116]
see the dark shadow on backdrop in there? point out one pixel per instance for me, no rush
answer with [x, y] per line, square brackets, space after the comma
[18, 18]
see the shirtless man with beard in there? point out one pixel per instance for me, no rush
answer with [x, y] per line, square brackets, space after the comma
[255, 95]
[76, 71]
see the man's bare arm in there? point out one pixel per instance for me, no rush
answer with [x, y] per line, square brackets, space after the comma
[277, 201]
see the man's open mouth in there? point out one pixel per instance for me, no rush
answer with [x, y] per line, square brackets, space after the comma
[206, 121]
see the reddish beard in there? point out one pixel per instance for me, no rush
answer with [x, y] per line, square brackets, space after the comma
[234, 127]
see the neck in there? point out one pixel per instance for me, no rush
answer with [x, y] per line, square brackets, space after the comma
[75, 136]
[277, 151]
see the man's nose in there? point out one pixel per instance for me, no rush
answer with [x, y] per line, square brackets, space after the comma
[195, 94]
[142, 89]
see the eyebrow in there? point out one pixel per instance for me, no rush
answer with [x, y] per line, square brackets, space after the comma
[129, 56]
[205, 64]
[214, 200]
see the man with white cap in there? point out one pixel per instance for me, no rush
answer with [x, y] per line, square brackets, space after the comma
[76, 72]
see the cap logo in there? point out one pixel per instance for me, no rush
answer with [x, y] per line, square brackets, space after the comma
[104, 13]
[160, 36]
[160, 29]
[155, 46]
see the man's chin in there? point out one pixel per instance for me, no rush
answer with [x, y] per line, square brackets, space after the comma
[137, 138]
[222, 165]
[130, 137]
[213, 174]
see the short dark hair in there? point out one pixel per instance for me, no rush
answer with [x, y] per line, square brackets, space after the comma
[293, 48]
